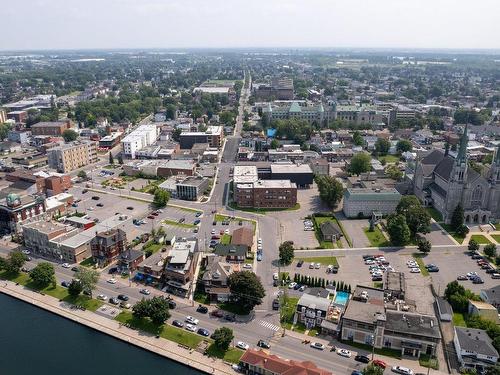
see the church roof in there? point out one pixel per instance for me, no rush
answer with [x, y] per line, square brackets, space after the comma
[433, 158]
[443, 169]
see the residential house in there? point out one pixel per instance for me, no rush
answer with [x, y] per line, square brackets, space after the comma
[216, 276]
[330, 231]
[232, 253]
[474, 348]
[491, 296]
[150, 270]
[243, 236]
[108, 246]
[313, 307]
[180, 265]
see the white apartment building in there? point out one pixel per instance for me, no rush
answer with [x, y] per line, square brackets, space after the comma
[144, 135]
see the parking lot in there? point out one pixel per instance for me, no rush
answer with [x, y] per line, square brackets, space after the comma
[354, 229]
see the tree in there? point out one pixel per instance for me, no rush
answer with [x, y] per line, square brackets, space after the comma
[158, 310]
[394, 172]
[330, 190]
[69, 135]
[43, 275]
[111, 160]
[360, 163]
[382, 146]
[120, 158]
[170, 112]
[223, 337]
[274, 144]
[372, 369]
[398, 229]
[417, 218]
[82, 174]
[286, 253]
[88, 278]
[161, 197]
[246, 289]
[495, 369]
[357, 139]
[176, 134]
[75, 288]
[490, 250]
[457, 218]
[424, 245]
[462, 231]
[141, 308]
[403, 146]
[473, 245]
[14, 262]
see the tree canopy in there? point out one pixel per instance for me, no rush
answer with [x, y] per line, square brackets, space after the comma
[222, 337]
[14, 262]
[417, 218]
[398, 230]
[246, 288]
[69, 135]
[43, 275]
[330, 190]
[155, 309]
[360, 163]
[161, 197]
[403, 146]
[382, 146]
[286, 253]
[88, 278]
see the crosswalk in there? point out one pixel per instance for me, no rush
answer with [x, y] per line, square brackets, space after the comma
[270, 326]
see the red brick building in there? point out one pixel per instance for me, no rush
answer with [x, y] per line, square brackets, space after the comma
[55, 128]
[107, 247]
[266, 194]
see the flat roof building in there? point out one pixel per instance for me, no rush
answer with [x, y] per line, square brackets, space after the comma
[364, 201]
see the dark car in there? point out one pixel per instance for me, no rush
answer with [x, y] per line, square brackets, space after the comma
[477, 280]
[377, 278]
[203, 332]
[197, 221]
[198, 214]
[362, 358]
[130, 208]
[214, 223]
[123, 297]
[96, 198]
[74, 269]
[335, 269]
[114, 301]
[477, 256]
[217, 313]
[84, 191]
[113, 270]
[99, 205]
[172, 305]
[276, 304]
[300, 263]
[491, 270]
[65, 284]
[366, 257]
[263, 344]
[433, 269]
[177, 323]
[202, 309]
[297, 287]
[181, 220]
[229, 317]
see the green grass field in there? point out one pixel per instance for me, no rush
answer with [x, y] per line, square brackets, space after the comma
[376, 237]
[176, 223]
[480, 239]
[435, 214]
[226, 239]
[419, 258]
[459, 319]
[288, 309]
[232, 355]
[323, 260]
[447, 227]
[496, 237]
[389, 158]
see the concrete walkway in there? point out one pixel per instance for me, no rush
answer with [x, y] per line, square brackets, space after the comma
[113, 328]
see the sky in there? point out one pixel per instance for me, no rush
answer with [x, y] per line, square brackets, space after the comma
[103, 24]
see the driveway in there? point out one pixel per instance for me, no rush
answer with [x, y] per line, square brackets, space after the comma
[354, 229]
[438, 236]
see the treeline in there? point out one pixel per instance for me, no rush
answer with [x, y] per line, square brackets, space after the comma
[319, 282]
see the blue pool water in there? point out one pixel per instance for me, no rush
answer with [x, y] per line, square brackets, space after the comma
[341, 298]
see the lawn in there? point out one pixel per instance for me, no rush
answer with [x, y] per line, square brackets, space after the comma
[166, 331]
[313, 332]
[376, 237]
[427, 361]
[151, 247]
[232, 355]
[435, 214]
[447, 227]
[288, 309]
[219, 217]
[497, 226]
[176, 223]
[323, 260]
[389, 158]
[226, 239]
[85, 301]
[233, 307]
[89, 262]
[496, 237]
[318, 220]
[378, 284]
[480, 239]
[459, 319]
[418, 257]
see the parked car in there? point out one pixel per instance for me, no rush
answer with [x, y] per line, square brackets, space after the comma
[111, 281]
[191, 320]
[172, 305]
[495, 275]
[203, 332]
[402, 370]
[379, 363]
[102, 297]
[125, 305]
[263, 344]
[66, 265]
[300, 263]
[123, 297]
[202, 309]
[217, 313]
[292, 285]
[65, 284]
[74, 269]
[477, 280]
[318, 345]
[145, 291]
[344, 353]
[177, 323]
[95, 198]
[99, 205]
[191, 327]
[462, 277]
[114, 301]
[242, 345]
[362, 358]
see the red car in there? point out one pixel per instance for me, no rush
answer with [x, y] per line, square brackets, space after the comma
[215, 237]
[217, 313]
[151, 217]
[379, 363]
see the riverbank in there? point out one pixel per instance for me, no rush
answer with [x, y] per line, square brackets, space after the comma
[113, 328]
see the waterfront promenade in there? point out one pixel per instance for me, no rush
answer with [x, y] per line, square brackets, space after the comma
[113, 328]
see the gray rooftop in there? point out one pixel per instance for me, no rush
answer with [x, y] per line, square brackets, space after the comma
[314, 302]
[475, 341]
[412, 323]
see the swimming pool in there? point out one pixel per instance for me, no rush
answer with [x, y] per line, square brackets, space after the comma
[341, 298]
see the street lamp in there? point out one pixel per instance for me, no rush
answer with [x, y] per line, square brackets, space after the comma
[373, 346]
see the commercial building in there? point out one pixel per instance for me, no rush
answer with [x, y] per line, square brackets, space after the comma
[68, 157]
[180, 265]
[361, 115]
[107, 247]
[366, 320]
[299, 110]
[31, 160]
[18, 116]
[19, 136]
[17, 210]
[394, 284]
[299, 174]
[484, 310]
[280, 89]
[365, 201]
[474, 349]
[49, 183]
[53, 128]
[213, 136]
[144, 135]
[242, 236]
[160, 168]
[260, 362]
[232, 253]
[266, 194]
[191, 188]
[111, 140]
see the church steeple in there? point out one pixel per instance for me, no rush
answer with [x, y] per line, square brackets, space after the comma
[462, 151]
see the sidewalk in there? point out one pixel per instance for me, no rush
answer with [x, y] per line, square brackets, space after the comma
[102, 324]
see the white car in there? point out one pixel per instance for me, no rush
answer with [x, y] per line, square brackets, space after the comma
[415, 270]
[402, 370]
[65, 265]
[26, 252]
[311, 266]
[192, 320]
[90, 209]
[369, 262]
[247, 266]
[318, 345]
[344, 353]
[471, 275]
[275, 276]
[412, 265]
[145, 291]
[259, 240]
[213, 231]
[317, 266]
[190, 327]
[292, 285]
[259, 247]
[112, 281]
[102, 297]
[242, 345]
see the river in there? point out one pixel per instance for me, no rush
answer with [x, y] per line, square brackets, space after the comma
[34, 341]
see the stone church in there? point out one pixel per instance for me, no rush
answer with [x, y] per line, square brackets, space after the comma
[443, 182]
